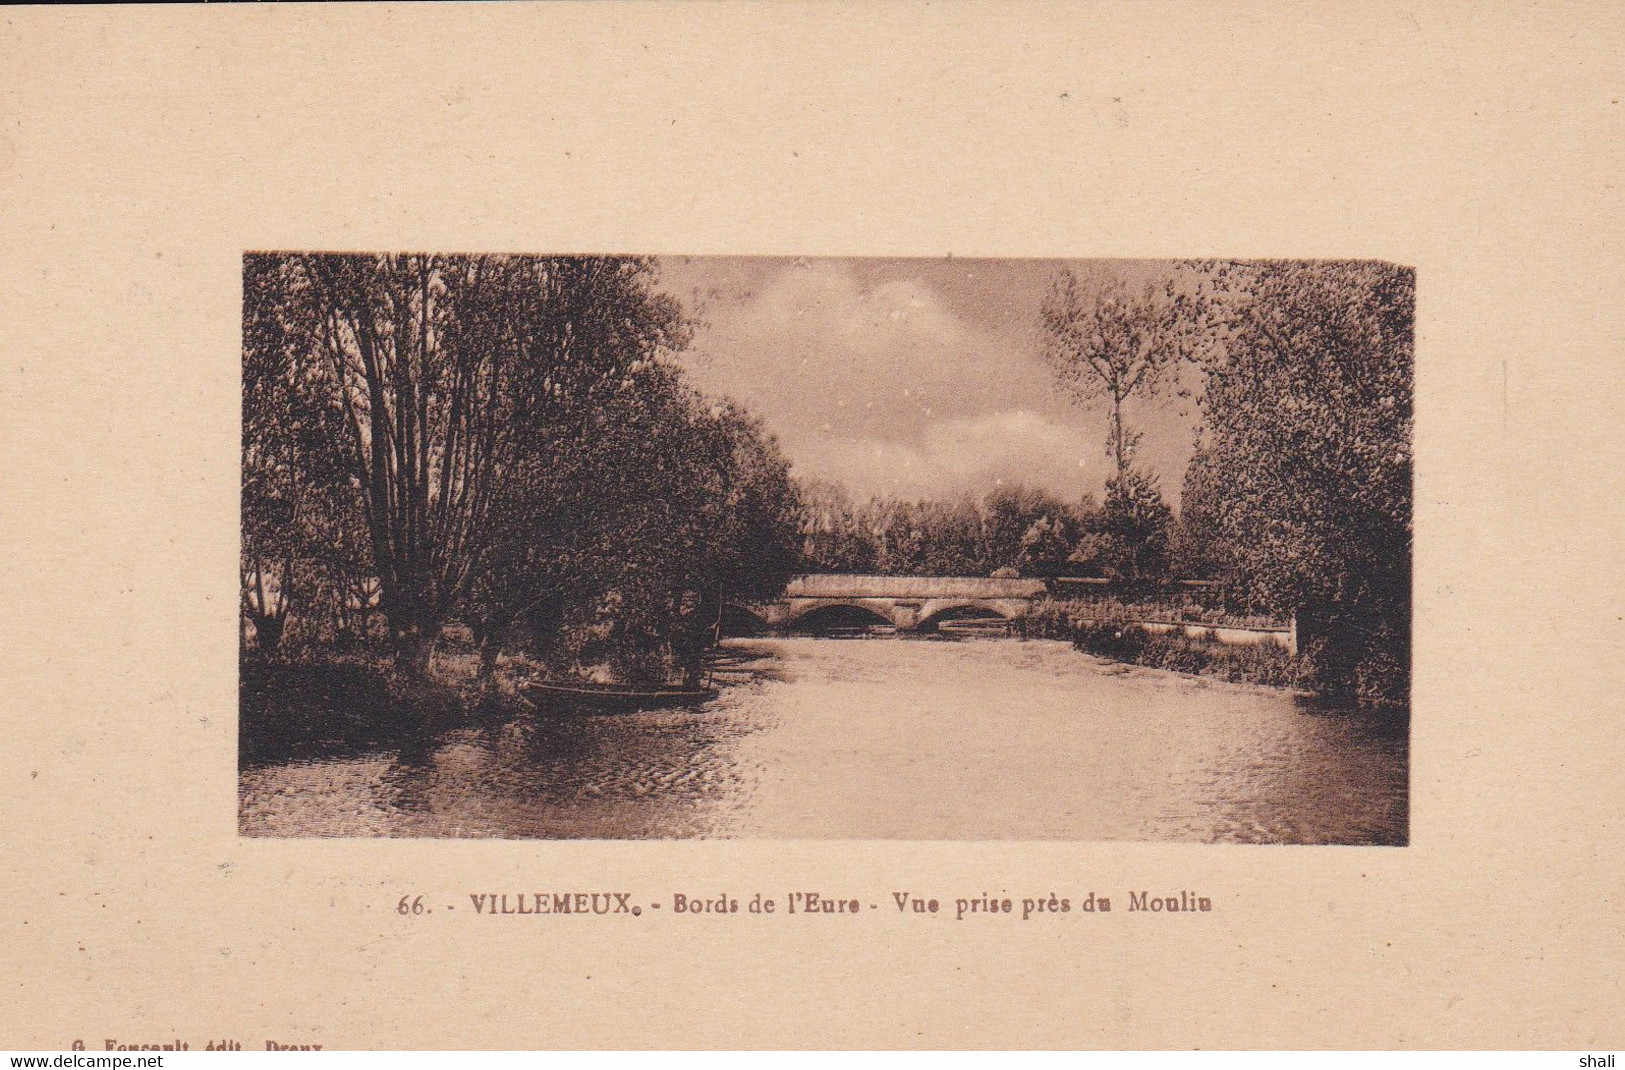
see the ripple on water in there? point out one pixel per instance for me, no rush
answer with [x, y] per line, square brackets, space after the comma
[852, 739]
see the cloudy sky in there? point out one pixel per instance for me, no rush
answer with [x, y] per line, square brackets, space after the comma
[915, 378]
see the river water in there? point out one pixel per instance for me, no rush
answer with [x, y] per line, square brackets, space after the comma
[884, 738]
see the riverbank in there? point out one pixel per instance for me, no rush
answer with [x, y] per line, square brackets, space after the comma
[1114, 634]
[313, 707]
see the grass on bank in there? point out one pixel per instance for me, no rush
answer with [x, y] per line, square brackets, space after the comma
[322, 702]
[1151, 610]
[1120, 637]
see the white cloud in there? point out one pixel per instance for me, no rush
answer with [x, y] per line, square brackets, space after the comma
[959, 455]
[872, 379]
[880, 361]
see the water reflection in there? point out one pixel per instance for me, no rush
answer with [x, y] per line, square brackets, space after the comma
[883, 738]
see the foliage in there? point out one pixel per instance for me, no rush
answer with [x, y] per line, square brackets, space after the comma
[1111, 344]
[682, 506]
[1047, 544]
[302, 542]
[501, 439]
[1009, 512]
[1133, 525]
[1012, 526]
[445, 368]
[1196, 545]
[1266, 664]
[1120, 637]
[1308, 415]
[1052, 617]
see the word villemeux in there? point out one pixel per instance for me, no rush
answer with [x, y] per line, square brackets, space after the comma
[556, 903]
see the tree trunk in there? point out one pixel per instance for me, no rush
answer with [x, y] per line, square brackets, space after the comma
[414, 647]
[493, 639]
[267, 634]
[1117, 432]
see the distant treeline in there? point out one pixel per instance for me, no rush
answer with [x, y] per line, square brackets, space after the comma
[1131, 537]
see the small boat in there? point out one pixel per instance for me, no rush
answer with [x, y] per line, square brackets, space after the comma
[613, 698]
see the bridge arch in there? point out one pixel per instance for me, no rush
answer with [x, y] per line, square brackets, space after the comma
[935, 612]
[739, 619]
[835, 613]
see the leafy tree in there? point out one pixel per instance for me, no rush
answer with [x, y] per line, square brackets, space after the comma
[1008, 513]
[1197, 548]
[302, 535]
[1093, 553]
[950, 538]
[1111, 344]
[668, 506]
[834, 535]
[1308, 413]
[740, 538]
[1134, 524]
[501, 440]
[1013, 526]
[1046, 545]
[444, 370]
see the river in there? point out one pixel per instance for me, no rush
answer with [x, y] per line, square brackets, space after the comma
[884, 738]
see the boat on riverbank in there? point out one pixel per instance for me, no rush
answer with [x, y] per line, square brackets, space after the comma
[587, 697]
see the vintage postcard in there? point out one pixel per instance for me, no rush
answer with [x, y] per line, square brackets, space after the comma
[862, 525]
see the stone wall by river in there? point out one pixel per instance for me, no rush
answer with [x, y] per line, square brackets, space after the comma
[884, 738]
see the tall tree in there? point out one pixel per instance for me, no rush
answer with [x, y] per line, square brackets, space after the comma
[301, 531]
[656, 505]
[1135, 522]
[1011, 526]
[1008, 513]
[1046, 545]
[835, 536]
[1110, 343]
[444, 369]
[1308, 414]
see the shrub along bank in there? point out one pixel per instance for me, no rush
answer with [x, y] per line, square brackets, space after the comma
[321, 705]
[1121, 638]
[1164, 610]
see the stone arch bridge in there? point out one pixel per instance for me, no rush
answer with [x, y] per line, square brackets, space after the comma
[911, 603]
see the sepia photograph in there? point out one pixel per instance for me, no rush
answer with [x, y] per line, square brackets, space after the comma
[612, 547]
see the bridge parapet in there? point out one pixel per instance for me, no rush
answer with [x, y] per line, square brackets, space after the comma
[831, 585]
[908, 602]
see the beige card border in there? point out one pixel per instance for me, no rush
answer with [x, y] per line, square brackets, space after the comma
[142, 150]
